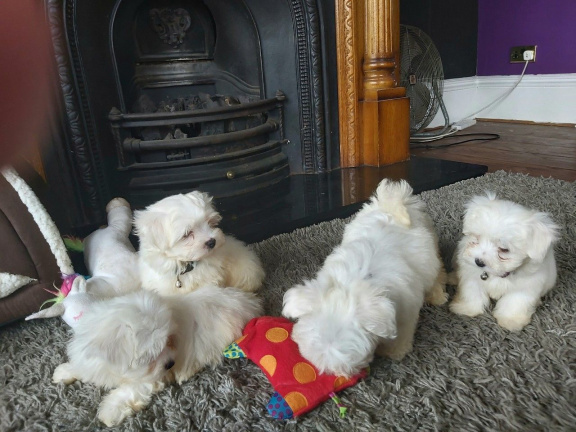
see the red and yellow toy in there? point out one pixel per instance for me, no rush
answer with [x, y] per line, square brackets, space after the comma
[298, 384]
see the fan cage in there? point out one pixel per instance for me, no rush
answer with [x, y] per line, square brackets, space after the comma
[422, 74]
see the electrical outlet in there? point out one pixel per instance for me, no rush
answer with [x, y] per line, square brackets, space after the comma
[517, 53]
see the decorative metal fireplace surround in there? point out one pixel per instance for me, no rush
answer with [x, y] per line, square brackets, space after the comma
[165, 96]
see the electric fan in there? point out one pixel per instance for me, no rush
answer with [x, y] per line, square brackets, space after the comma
[422, 75]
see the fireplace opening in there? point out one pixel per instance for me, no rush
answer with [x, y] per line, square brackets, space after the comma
[198, 117]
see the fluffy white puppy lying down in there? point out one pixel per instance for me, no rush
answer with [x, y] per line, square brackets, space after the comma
[136, 343]
[182, 248]
[506, 254]
[367, 296]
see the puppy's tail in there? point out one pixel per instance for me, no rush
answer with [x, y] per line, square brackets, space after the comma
[392, 198]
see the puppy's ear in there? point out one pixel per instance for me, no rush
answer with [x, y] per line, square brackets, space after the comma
[212, 214]
[204, 201]
[148, 344]
[214, 219]
[469, 223]
[542, 232]
[149, 227]
[125, 347]
[378, 316]
[298, 301]
[470, 214]
[115, 346]
[475, 212]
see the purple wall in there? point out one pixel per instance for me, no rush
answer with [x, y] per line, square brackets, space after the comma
[549, 24]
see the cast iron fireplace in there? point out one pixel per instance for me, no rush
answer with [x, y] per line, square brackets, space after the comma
[166, 96]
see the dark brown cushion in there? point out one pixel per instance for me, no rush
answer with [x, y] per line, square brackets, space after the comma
[24, 252]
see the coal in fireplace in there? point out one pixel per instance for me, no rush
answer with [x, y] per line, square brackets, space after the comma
[166, 96]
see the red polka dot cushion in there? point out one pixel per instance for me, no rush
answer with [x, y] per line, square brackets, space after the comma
[298, 385]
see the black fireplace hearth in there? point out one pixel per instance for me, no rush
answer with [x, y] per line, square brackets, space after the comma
[166, 96]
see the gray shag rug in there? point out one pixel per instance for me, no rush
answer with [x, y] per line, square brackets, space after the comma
[464, 374]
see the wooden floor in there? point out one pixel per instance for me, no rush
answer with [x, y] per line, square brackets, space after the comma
[538, 150]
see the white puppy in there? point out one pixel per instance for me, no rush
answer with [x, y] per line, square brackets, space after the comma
[182, 248]
[112, 264]
[109, 255]
[506, 254]
[136, 343]
[367, 296]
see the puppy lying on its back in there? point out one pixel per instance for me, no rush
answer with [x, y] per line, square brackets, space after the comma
[112, 264]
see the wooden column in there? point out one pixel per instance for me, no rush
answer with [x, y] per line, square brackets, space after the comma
[373, 110]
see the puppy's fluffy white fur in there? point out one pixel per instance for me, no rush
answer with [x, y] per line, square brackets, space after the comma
[368, 294]
[136, 343]
[110, 257]
[112, 264]
[183, 229]
[506, 254]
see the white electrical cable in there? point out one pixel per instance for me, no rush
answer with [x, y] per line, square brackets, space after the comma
[501, 97]
[453, 130]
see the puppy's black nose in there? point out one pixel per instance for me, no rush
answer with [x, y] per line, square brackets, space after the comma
[210, 243]
[479, 262]
[169, 365]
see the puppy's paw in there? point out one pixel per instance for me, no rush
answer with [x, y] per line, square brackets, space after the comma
[514, 323]
[394, 351]
[467, 308]
[437, 296]
[452, 278]
[117, 202]
[111, 414]
[182, 376]
[124, 401]
[63, 373]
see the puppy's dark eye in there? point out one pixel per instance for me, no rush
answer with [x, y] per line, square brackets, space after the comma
[503, 250]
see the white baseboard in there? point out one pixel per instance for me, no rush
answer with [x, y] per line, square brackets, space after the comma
[538, 98]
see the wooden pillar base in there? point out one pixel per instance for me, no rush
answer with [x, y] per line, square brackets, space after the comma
[386, 137]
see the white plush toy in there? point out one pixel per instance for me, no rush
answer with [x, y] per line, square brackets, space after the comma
[111, 261]
[71, 300]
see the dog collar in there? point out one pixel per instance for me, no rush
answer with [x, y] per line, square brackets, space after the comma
[484, 275]
[189, 267]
